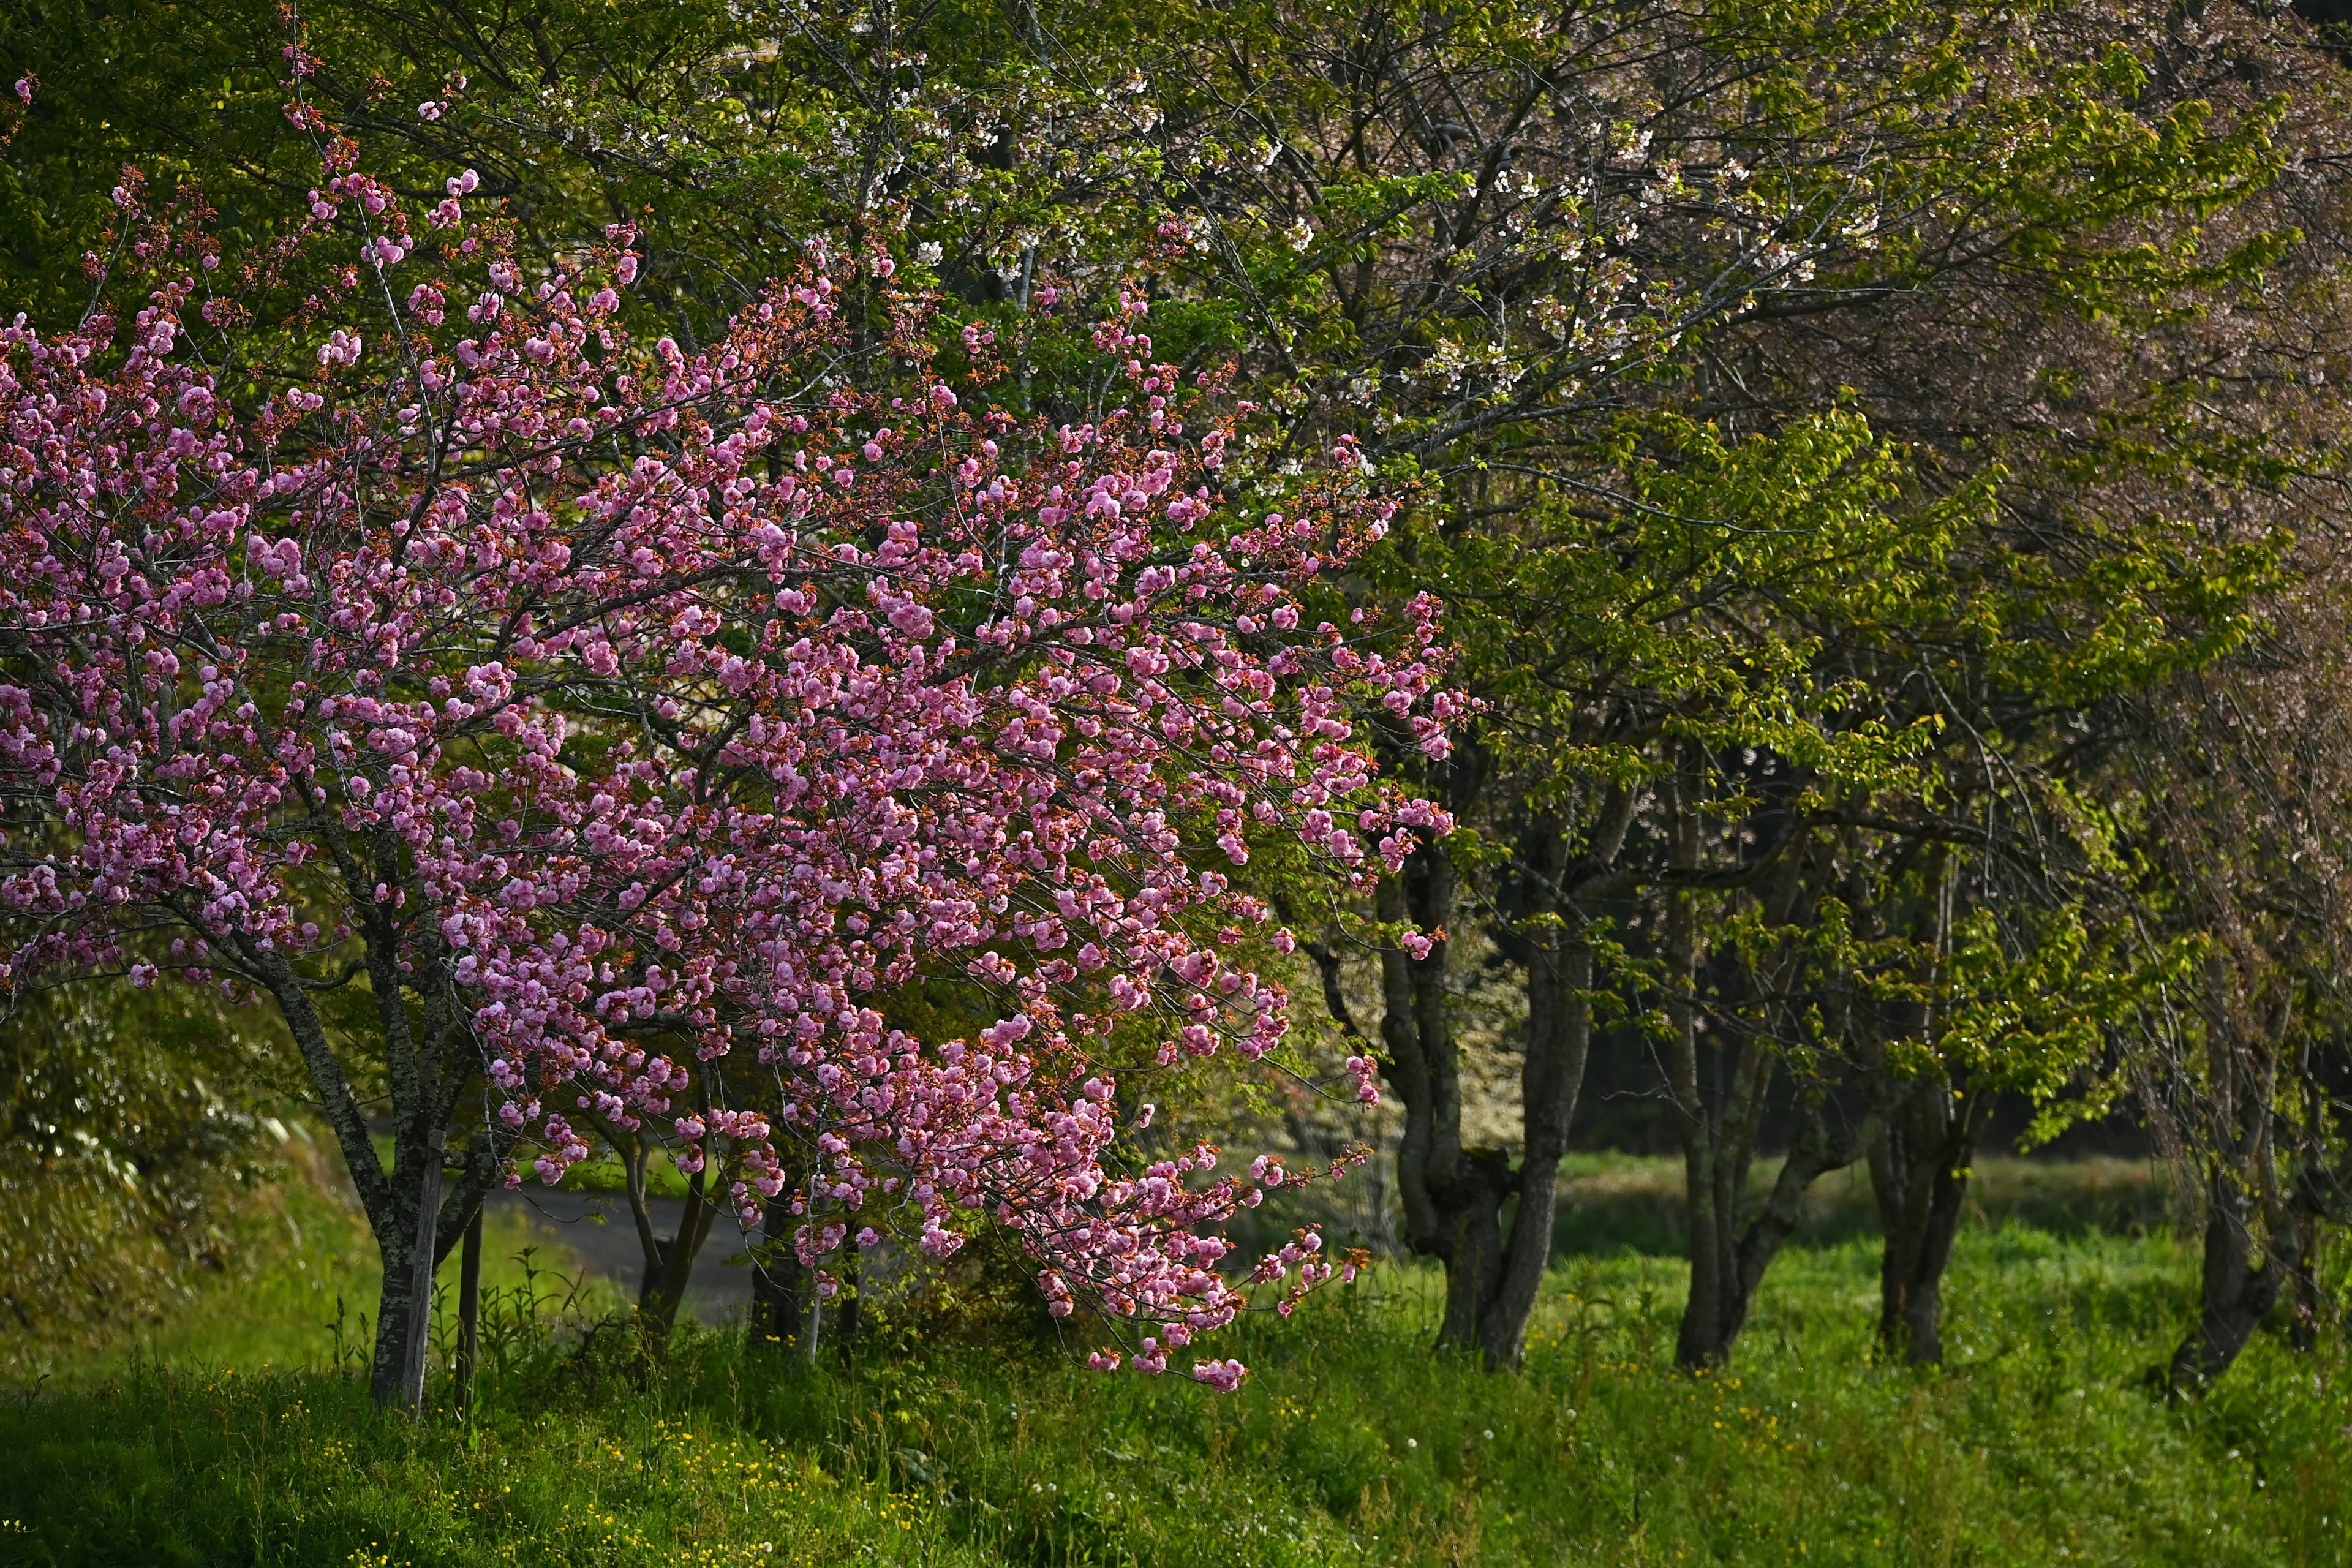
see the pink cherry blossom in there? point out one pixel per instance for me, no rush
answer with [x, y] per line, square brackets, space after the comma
[497, 657]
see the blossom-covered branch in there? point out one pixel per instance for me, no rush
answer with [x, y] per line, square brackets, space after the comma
[614, 708]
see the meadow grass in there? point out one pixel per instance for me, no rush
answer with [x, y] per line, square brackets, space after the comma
[2041, 1443]
[303, 1295]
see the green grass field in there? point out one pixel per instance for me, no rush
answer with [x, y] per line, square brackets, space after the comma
[229, 1437]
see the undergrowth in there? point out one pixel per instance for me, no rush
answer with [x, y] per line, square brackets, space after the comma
[1351, 1444]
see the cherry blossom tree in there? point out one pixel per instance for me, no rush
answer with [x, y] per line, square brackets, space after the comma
[536, 717]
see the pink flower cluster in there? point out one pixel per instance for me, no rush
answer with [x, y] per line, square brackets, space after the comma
[651, 714]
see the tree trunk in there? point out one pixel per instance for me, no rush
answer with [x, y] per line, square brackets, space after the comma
[1453, 1197]
[430, 1064]
[415, 1346]
[847, 1310]
[469, 1313]
[2245, 1041]
[1717, 1153]
[1729, 1256]
[1718, 1140]
[1735, 1256]
[404, 1303]
[782, 1289]
[1559, 1038]
[395, 1316]
[2238, 1287]
[669, 1262]
[1919, 1173]
[779, 1295]
[2310, 1207]
[1471, 1244]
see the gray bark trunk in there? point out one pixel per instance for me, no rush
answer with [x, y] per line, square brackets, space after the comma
[2238, 1286]
[429, 1071]
[1559, 1038]
[1736, 1256]
[469, 1313]
[1919, 1173]
[1453, 1197]
[1729, 1254]
[669, 1260]
[417, 1346]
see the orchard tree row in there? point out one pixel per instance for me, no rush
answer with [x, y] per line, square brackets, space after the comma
[853, 597]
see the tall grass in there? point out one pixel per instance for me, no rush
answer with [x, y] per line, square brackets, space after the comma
[2041, 1443]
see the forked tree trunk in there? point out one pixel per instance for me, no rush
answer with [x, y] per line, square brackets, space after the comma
[2238, 1286]
[1454, 1196]
[1729, 1256]
[669, 1259]
[430, 1062]
[1918, 1172]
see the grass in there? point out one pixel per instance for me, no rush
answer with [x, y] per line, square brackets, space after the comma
[1612, 1201]
[1351, 1444]
[303, 1295]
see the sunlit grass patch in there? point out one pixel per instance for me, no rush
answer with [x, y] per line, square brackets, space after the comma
[2041, 1442]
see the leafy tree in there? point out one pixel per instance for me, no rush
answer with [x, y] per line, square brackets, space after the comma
[1659, 310]
[2240, 815]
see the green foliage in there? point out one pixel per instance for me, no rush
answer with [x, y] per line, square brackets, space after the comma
[193, 94]
[130, 1135]
[730, 137]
